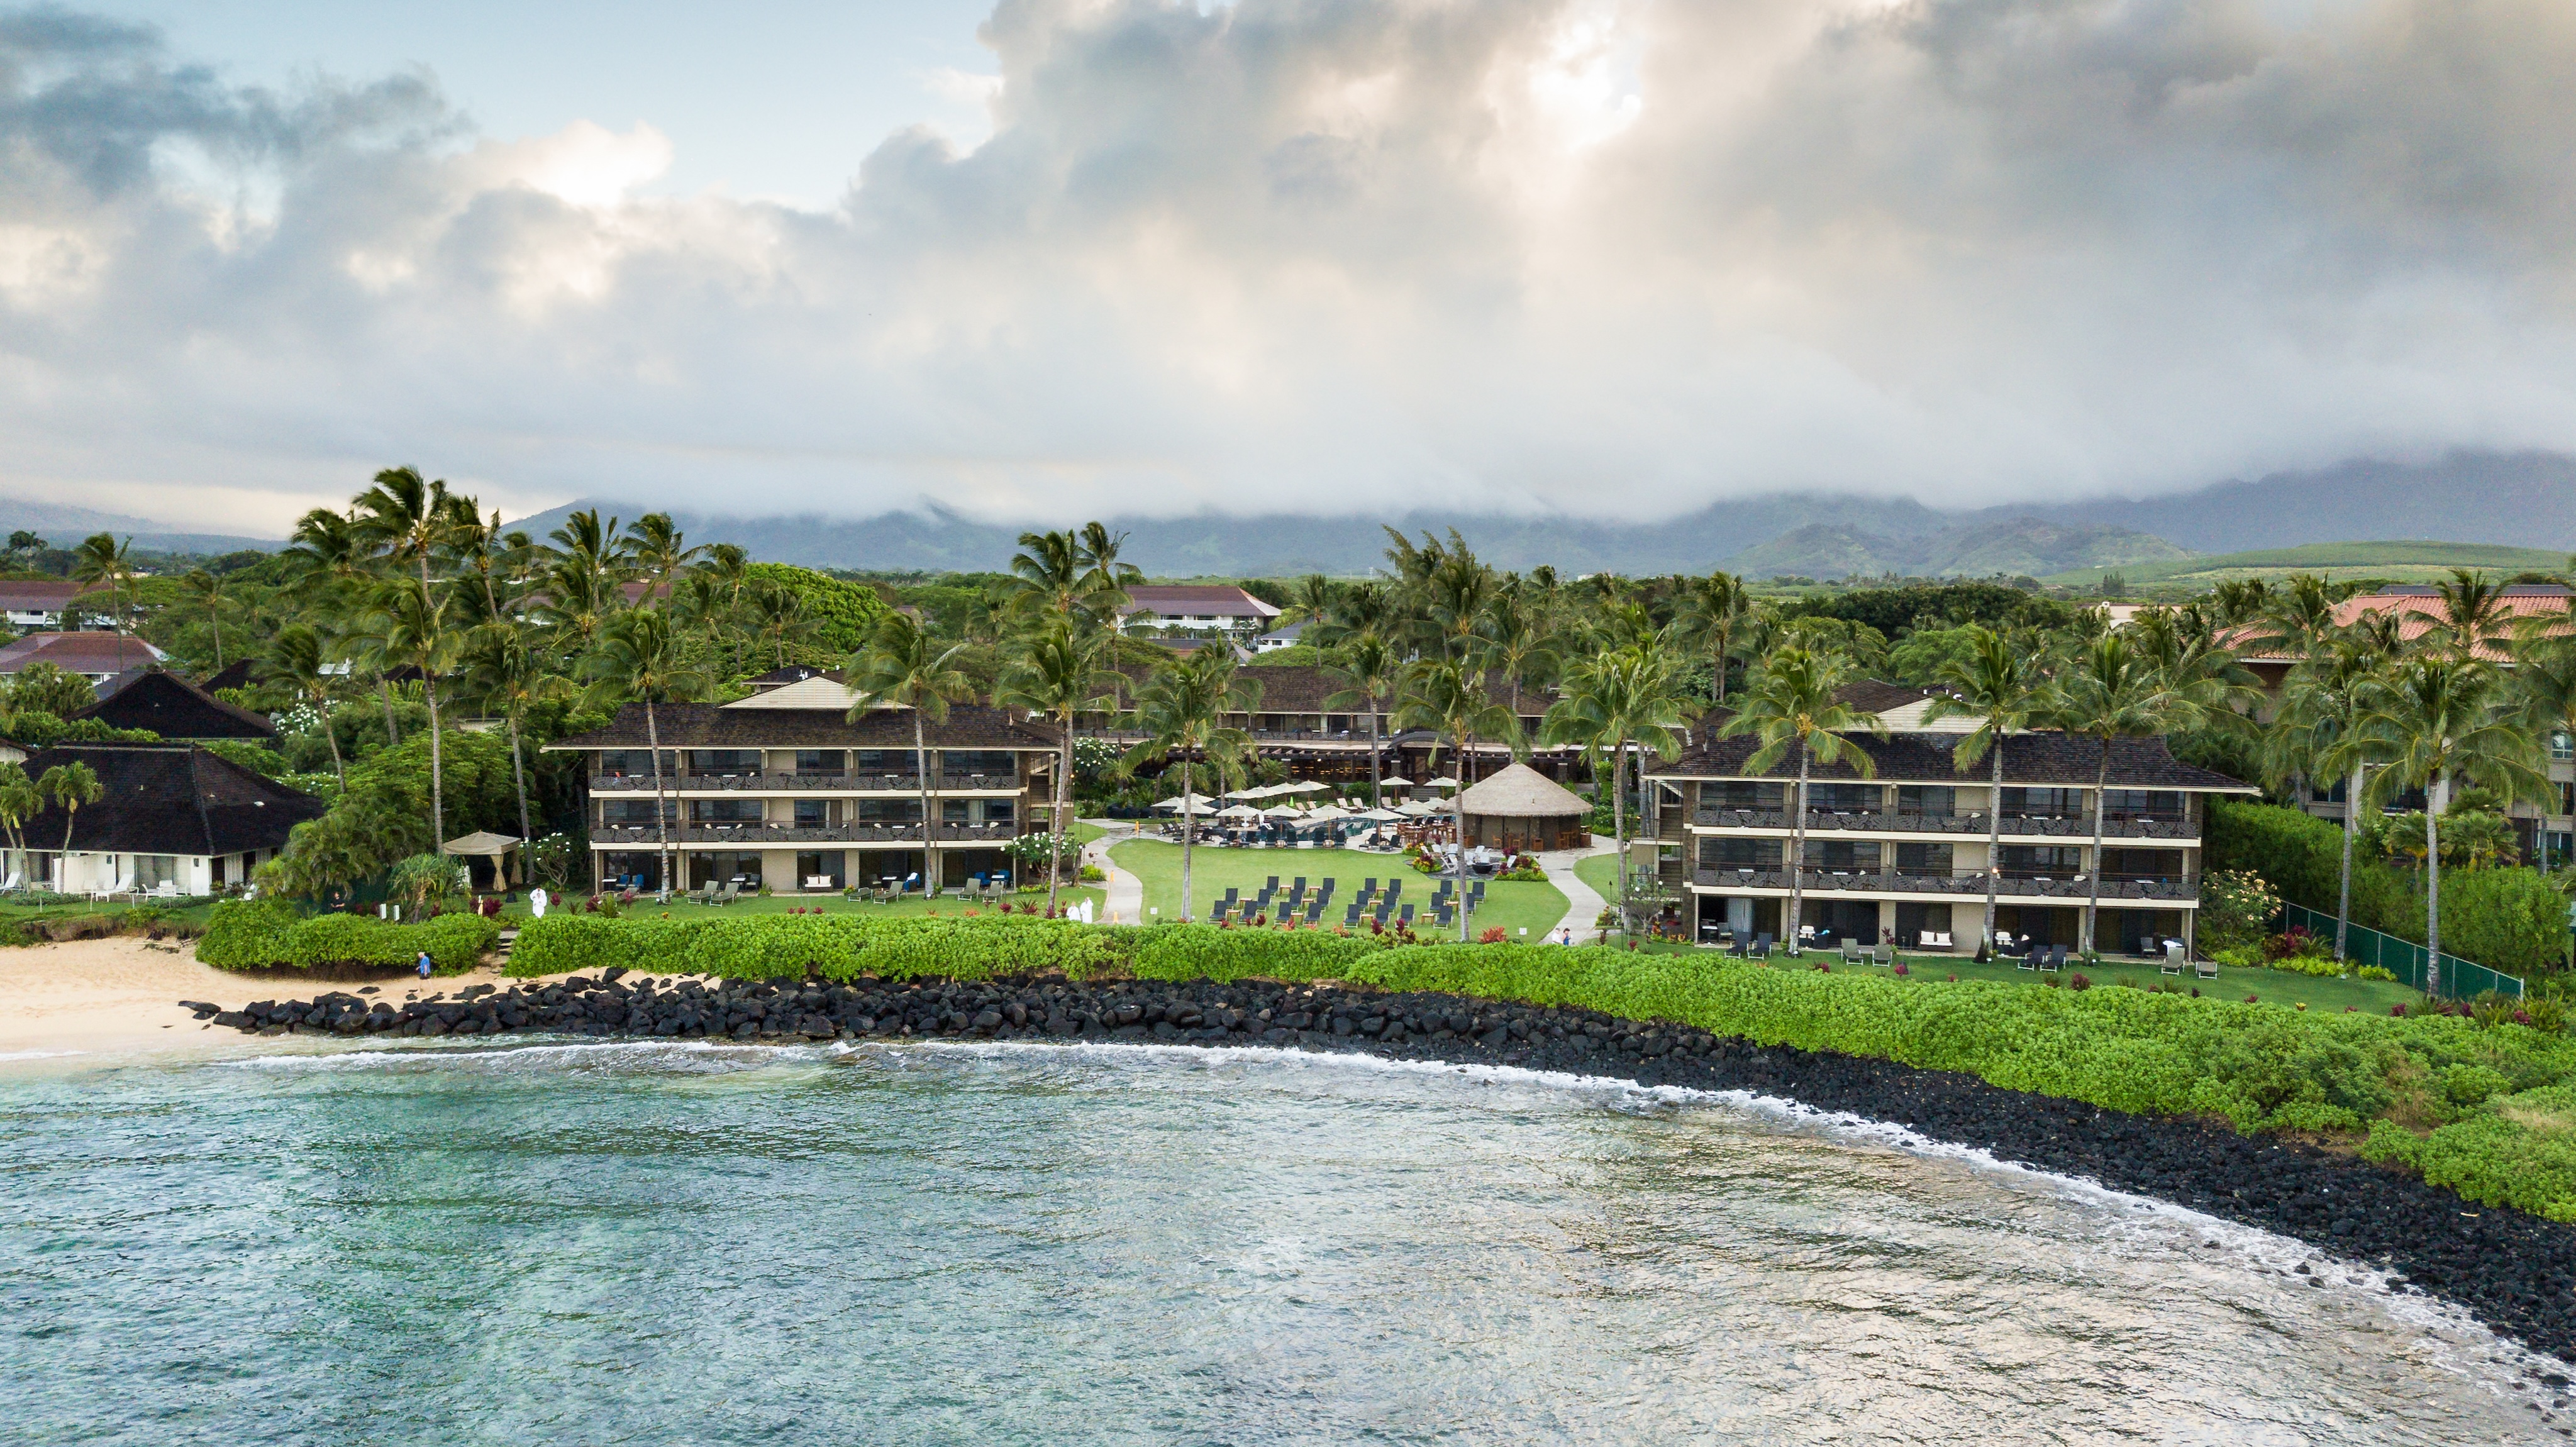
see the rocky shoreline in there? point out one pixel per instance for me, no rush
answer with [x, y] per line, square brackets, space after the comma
[2515, 1272]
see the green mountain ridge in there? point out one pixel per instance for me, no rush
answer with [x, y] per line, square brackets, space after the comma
[2404, 561]
[2016, 546]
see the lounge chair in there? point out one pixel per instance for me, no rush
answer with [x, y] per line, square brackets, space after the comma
[1739, 948]
[2051, 958]
[1941, 941]
[1885, 954]
[1761, 947]
[1851, 952]
[2205, 969]
[1314, 912]
[1351, 916]
[1368, 886]
[1405, 915]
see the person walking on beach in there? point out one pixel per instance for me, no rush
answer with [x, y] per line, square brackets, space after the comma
[424, 964]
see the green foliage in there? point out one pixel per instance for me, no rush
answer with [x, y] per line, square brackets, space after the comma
[38, 729]
[1896, 612]
[384, 815]
[841, 614]
[266, 934]
[45, 688]
[1920, 658]
[2512, 920]
[2234, 906]
[258, 758]
[1295, 655]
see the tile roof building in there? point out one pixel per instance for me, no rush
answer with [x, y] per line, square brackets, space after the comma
[32, 604]
[96, 656]
[169, 817]
[1902, 855]
[1202, 608]
[173, 708]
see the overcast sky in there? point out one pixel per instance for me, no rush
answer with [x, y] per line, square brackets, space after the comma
[1069, 257]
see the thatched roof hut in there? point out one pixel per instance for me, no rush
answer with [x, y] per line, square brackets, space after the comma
[1521, 809]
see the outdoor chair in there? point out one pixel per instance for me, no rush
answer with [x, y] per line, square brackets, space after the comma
[1885, 954]
[2173, 961]
[1925, 939]
[1739, 948]
[1851, 952]
[1368, 886]
[16, 883]
[2052, 958]
[1941, 941]
[1761, 947]
[1351, 916]
[1405, 915]
[1444, 916]
[1381, 913]
[2205, 969]
[1270, 886]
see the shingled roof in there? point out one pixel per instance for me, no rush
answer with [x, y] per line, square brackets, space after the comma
[174, 708]
[168, 799]
[711, 726]
[2031, 759]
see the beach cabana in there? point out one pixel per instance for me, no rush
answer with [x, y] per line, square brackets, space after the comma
[1520, 809]
[483, 844]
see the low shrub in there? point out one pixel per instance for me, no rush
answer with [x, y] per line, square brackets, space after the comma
[246, 935]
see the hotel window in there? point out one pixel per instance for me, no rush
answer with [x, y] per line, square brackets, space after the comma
[1843, 856]
[637, 763]
[2562, 748]
[815, 813]
[2566, 797]
[151, 871]
[890, 811]
[819, 761]
[1739, 853]
[2141, 804]
[1742, 794]
[2042, 861]
[1844, 798]
[1927, 801]
[721, 811]
[995, 763]
[724, 762]
[1931, 859]
[2044, 803]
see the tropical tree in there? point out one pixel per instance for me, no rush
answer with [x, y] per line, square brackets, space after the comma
[504, 668]
[2107, 692]
[1617, 705]
[102, 561]
[1180, 714]
[1789, 704]
[640, 658]
[1372, 666]
[1515, 641]
[298, 661]
[1999, 683]
[2319, 734]
[408, 628]
[206, 591]
[1714, 611]
[659, 550]
[1057, 670]
[20, 801]
[2472, 610]
[1109, 579]
[1450, 698]
[904, 666]
[1051, 574]
[2445, 718]
[404, 517]
[73, 786]
[776, 614]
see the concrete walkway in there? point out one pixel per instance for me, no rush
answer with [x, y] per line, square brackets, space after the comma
[1126, 893]
[1583, 903]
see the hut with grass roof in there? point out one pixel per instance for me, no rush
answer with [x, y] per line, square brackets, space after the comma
[1520, 809]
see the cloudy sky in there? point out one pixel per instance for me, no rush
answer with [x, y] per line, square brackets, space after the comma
[1061, 257]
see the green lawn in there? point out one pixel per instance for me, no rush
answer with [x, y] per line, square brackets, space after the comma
[830, 904]
[1536, 907]
[194, 914]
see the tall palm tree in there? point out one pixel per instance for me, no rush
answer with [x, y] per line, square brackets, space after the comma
[1788, 704]
[776, 612]
[2447, 718]
[660, 551]
[1310, 599]
[492, 562]
[2472, 610]
[1617, 704]
[504, 668]
[1450, 698]
[1051, 574]
[1180, 714]
[1998, 682]
[103, 561]
[2297, 620]
[408, 627]
[1515, 641]
[20, 801]
[2108, 692]
[73, 787]
[1056, 669]
[406, 517]
[206, 590]
[904, 666]
[2319, 734]
[1714, 611]
[640, 658]
[1109, 579]
[298, 660]
[1372, 666]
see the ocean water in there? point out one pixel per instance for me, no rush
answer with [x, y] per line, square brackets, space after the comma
[655, 1243]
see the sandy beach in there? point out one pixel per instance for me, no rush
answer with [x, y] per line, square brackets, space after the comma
[120, 996]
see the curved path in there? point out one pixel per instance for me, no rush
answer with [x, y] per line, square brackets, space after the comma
[1126, 901]
[1583, 903]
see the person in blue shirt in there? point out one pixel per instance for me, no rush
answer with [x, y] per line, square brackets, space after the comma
[424, 964]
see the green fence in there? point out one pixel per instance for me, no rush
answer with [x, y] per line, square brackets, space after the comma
[2461, 979]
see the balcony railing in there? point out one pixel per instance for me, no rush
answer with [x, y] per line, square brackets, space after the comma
[642, 836]
[2072, 888]
[2117, 826]
[782, 783]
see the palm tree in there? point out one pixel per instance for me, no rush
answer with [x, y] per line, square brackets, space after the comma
[2108, 692]
[1057, 671]
[504, 669]
[207, 591]
[902, 665]
[297, 659]
[1714, 610]
[1618, 703]
[1788, 703]
[1516, 641]
[20, 801]
[640, 658]
[409, 627]
[72, 786]
[102, 560]
[1372, 667]
[657, 546]
[1999, 683]
[1050, 573]
[1449, 697]
[2446, 718]
[404, 516]
[2297, 620]
[2318, 734]
[1109, 578]
[777, 613]
[1180, 712]
[2472, 609]
[1310, 599]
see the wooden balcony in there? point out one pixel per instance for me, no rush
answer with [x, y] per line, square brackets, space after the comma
[2115, 889]
[624, 837]
[2118, 826]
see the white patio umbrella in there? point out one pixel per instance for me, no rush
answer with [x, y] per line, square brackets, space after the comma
[1326, 815]
[1396, 781]
[1256, 791]
[1238, 811]
[1197, 806]
[1287, 811]
[1304, 786]
[1444, 782]
[1379, 816]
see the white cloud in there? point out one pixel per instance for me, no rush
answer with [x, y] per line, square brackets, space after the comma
[1575, 254]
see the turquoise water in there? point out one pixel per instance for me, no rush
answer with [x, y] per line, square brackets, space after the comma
[672, 1244]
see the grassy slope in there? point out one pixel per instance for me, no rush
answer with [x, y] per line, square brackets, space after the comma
[2402, 561]
[1536, 907]
[2273, 987]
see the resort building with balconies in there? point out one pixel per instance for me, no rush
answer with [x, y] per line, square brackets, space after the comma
[783, 788]
[1902, 855]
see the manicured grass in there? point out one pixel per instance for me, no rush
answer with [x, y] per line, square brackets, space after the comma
[1535, 907]
[194, 914]
[911, 906]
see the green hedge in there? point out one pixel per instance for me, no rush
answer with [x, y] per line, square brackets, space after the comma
[2260, 1067]
[2512, 920]
[244, 935]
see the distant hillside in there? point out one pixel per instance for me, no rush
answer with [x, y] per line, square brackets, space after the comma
[2513, 499]
[2397, 561]
[2010, 546]
[63, 525]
